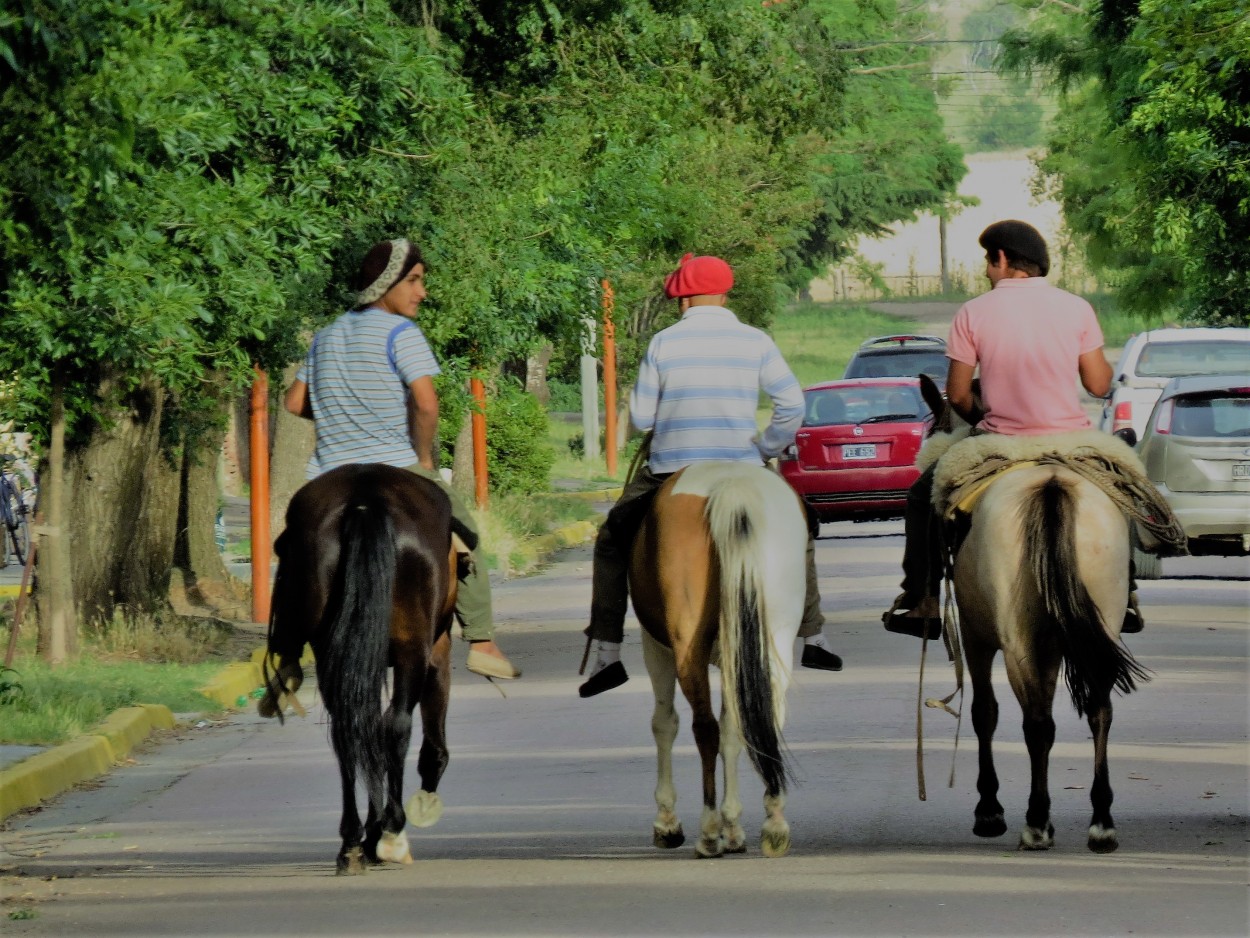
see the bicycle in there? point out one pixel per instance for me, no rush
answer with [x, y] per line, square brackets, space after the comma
[13, 513]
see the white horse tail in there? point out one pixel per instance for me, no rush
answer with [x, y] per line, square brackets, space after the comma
[753, 693]
[1093, 662]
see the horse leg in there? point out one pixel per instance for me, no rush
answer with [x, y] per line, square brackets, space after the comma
[989, 811]
[1035, 690]
[666, 831]
[426, 807]
[731, 804]
[1102, 836]
[392, 843]
[351, 858]
[692, 673]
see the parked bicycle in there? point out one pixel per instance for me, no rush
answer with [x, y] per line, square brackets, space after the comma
[14, 513]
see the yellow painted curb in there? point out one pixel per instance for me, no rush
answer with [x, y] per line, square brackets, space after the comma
[8, 590]
[49, 773]
[232, 682]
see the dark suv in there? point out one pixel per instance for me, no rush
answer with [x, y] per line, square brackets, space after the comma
[900, 356]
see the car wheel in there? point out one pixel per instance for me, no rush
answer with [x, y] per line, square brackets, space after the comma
[1147, 566]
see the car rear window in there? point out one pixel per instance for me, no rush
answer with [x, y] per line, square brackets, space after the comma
[1212, 415]
[831, 406]
[901, 363]
[1169, 359]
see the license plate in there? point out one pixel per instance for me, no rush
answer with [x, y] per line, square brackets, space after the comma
[1241, 470]
[859, 451]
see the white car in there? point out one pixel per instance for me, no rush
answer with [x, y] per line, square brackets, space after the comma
[1153, 358]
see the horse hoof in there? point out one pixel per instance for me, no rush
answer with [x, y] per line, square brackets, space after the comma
[351, 862]
[775, 843]
[424, 809]
[393, 848]
[735, 838]
[709, 848]
[990, 826]
[1033, 839]
[668, 840]
[1103, 839]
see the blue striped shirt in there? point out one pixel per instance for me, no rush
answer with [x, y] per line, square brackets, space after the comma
[358, 372]
[698, 388]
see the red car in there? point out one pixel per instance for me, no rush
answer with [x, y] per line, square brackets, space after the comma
[854, 458]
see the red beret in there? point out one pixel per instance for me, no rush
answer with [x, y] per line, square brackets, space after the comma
[699, 276]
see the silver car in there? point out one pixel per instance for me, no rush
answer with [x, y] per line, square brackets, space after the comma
[1196, 449]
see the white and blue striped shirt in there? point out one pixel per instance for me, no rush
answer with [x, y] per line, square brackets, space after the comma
[698, 388]
[358, 372]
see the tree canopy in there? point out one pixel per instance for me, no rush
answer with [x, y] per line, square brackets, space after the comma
[1149, 154]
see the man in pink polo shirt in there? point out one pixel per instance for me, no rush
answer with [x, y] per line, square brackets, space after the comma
[1030, 340]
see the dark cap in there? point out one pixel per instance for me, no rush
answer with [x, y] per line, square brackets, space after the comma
[1019, 241]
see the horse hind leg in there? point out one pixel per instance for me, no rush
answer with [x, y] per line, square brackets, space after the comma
[351, 858]
[1102, 835]
[1039, 737]
[425, 807]
[666, 831]
[731, 804]
[775, 834]
[988, 815]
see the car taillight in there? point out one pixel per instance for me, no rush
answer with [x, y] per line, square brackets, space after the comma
[1123, 416]
[1163, 418]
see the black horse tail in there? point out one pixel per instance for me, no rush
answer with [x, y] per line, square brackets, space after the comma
[353, 649]
[1093, 662]
[734, 509]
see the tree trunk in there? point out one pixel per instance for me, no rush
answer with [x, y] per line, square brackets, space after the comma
[462, 478]
[123, 496]
[536, 374]
[58, 627]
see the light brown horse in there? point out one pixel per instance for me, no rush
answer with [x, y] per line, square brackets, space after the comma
[717, 574]
[367, 576]
[1042, 575]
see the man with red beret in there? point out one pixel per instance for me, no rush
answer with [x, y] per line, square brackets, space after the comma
[697, 390]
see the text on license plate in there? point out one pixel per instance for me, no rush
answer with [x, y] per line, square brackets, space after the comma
[1241, 470]
[859, 451]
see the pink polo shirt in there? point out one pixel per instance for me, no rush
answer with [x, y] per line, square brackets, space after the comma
[1026, 336]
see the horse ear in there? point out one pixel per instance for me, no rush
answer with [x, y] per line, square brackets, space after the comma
[932, 395]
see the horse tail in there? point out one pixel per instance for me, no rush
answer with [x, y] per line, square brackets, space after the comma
[735, 513]
[1092, 660]
[355, 639]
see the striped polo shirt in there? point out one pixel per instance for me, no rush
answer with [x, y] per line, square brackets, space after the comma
[358, 371]
[699, 386]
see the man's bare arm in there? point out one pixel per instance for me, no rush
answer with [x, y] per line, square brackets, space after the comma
[423, 420]
[297, 400]
[1095, 373]
[960, 394]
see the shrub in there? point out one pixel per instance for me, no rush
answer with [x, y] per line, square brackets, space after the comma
[519, 456]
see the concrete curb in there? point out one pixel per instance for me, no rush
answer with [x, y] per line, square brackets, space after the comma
[50, 773]
[57, 770]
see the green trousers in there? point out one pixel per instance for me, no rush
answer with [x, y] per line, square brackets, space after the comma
[473, 603]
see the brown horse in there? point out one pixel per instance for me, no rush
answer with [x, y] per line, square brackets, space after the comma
[367, 576]
[717, 571]
[1042, 575]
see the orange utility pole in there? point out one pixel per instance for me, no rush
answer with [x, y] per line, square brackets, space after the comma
[259, 500]
[609, 377]
[478, 390]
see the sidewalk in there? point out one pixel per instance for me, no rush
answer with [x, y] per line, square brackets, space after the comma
[30, 774]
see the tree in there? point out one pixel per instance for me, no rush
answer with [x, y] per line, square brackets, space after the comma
[1148, 154]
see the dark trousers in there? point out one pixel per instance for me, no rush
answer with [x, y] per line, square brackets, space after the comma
[922, 548]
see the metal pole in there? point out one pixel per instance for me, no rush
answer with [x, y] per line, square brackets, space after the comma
[259, 498]
[609, 377]
[478, 390]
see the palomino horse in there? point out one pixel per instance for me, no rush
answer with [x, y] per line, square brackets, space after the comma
[719, 563]
[1043, 576]
[367, 576]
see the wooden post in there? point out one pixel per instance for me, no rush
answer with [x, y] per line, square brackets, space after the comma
[258, 441]
[478, 390]
[609, 377]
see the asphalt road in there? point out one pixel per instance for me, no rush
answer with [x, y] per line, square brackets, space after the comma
[230, 828]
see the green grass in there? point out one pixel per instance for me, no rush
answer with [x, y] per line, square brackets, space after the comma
[818, 339]
[163, 660]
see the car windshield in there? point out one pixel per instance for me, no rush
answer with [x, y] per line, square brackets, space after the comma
[1212, 415]
[830, 406]
[1214, 357]
[901, 363]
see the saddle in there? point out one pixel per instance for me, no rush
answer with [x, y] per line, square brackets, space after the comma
[966, 465]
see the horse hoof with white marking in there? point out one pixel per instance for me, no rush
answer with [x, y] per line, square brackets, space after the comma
[775, 839]
[393, 848]
[668, 838]
[1033, 839]
[424, 809]
[351, 862]
[1103, 839]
